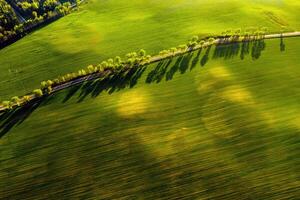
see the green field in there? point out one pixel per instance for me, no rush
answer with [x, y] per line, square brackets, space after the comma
[190, 128]
[103, 29]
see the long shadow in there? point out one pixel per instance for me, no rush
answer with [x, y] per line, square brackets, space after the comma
[196, 60]
[205, 58]
[226, 51]
[184, 64]
[170, 74]
[245, 48]
[282, 45]
[257, 47]
[71, 92]
[17, 116]
[111, 84]
[157, 74]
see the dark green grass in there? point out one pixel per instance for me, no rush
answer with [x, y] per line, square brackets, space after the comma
[103, 29]
[226, 129]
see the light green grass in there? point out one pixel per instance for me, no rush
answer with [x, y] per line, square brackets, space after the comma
[226, 130]
[103, 29]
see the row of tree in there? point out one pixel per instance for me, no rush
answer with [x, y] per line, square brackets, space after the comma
[251, 33]
[112, 65]
[19, 101]
[192, 43]
[116, 65]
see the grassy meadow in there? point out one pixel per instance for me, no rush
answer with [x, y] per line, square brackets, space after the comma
[103, 29]
[215, 124]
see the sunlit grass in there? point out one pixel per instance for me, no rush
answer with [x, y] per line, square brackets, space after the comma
[103, 29]
[225, 130]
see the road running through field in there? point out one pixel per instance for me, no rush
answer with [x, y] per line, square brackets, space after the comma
[154, 59]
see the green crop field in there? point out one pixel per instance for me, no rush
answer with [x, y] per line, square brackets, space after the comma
[103, 29]
[221, 123]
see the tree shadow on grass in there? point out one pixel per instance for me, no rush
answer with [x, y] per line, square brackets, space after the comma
[282, 44]
[170, 74]
[257, 47]
[71, 92]
[196, 60]
[232, 50]
[157, 74]
[227, 51]
[17, 116]
[111, 84]
[185, 63]
[128, 79]
[205, 58]
[245, 50]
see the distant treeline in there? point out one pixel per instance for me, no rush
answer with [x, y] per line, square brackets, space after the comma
[17, 17]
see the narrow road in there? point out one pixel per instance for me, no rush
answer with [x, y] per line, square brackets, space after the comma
[154, 59]
[282, 35]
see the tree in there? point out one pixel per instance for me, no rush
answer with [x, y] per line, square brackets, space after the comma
[104, 64]
[110, 62]
[118, 60]
[34, 15]
[38, 92]
[142, 53]
[49, 90]
[130, 61]
[7, 104]
[43, 84]
[264, 30]
[202, 42]
[173, 50]
[56, 81]
[224, 34]
[16, 100]
[49, 83]
[211, 40]
[74, 75]
[91, 68]
[228, 32]
[238, 32]
[182, 47]
[192, 43]
[100, 68]
[195, 39]
[26, 98]
[148, 58]
[163, 53]
[131, 55]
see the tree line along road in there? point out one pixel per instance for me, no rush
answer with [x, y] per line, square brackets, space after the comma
[153, 59]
